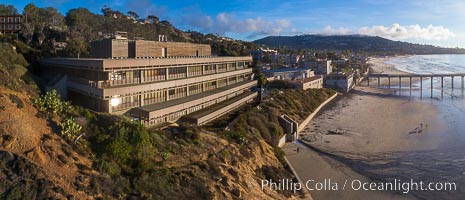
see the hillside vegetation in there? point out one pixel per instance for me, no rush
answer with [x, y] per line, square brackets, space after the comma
[369, 44]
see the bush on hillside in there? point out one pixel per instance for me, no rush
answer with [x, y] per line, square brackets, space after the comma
[51, 102]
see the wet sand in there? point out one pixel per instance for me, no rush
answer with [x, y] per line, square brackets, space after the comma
[311, 165]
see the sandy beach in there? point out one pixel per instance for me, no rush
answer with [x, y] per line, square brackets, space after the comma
[372, 120]
[368, 124]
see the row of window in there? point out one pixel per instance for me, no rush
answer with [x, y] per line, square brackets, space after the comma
[123, 103]
[177, 93]
[126, 102]
[10, 19]
[177, 72]
[142, 76]
[176, 115]
[154, 97]
[10, 27]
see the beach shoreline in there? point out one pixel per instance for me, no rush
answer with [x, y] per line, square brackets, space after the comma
[364, 125]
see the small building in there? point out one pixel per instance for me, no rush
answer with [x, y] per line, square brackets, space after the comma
[315, 82]
[340, 81]
[10, 24]
[289, 73]
[323, 67]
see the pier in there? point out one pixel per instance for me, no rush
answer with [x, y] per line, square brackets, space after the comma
[411, 76]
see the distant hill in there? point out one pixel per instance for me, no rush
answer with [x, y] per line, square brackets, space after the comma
[370, 44]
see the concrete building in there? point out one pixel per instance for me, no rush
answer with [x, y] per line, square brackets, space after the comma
[324, 67]
[299, 78]
[10, 24]
[315, 82]
[155, 82]
[289, 73]
[340, 81]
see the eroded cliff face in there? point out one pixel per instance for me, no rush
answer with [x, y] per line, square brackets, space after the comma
[37, 162]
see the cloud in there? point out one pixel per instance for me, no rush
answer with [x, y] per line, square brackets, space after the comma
[399, 32]
[225, 23]
[328, 30]
[395, 32]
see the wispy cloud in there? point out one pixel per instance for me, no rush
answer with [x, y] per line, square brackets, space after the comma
[145, 8]
[227, 23]
[399, 32]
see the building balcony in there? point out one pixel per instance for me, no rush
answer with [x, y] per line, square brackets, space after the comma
[160, 109]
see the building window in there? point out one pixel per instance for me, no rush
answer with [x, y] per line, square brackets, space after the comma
[221, 68]
[122, 103]
[177, 93]
[195, 71]
[177, 72]
[240, 65]
[155, 74]
[154, 97]
[195, 89]
[222, 83]
[210, 85]
[232, 80]
[209, 69]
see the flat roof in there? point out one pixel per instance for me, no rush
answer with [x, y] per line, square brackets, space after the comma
[107, 64]
[306, 80]
[286, 70]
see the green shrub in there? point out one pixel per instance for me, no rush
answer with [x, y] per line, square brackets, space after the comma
[238, 137]
[70, 128]
[51, 102]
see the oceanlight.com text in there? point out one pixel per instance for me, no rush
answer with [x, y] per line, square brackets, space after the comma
[358, 185]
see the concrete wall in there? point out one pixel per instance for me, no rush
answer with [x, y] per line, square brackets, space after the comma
[113, 48]
[287, 125]
[343, 83]
[145, 48]
[315, 84]
[110, 49]
[310, 117]
[305, 85]
[282, 141]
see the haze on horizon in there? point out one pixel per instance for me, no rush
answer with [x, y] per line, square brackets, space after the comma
[432, 22]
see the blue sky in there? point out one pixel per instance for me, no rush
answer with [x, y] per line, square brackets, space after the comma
[436, 22]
